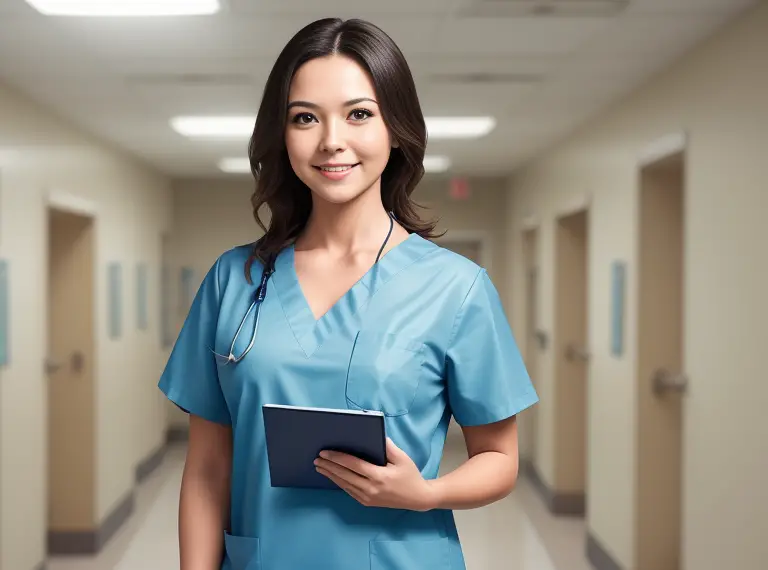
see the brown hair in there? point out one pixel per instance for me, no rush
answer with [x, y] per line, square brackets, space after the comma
[277, 186]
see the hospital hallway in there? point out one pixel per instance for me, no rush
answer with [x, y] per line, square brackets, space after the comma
[517, 532]
[593, 180]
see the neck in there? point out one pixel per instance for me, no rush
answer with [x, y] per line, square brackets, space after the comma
[344, 229]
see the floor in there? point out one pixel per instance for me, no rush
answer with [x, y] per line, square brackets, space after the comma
[517, 533]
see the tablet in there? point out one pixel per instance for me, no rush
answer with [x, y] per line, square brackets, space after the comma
[295, 436]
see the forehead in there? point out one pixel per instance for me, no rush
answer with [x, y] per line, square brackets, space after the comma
[329, 81]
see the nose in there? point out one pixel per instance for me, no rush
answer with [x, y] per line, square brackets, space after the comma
[333, 137]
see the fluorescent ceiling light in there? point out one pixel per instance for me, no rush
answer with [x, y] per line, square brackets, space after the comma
[436, 163]
[459, 127]
[242, 165]
[242, 127]
[235, 165]
[216, 127]
[125, 7]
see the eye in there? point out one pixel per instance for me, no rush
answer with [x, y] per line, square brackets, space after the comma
[360, 114]
[303, 118]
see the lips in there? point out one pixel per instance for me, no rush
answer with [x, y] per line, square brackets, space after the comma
[337, 168]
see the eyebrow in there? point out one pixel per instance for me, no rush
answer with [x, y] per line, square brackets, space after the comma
[310, 105]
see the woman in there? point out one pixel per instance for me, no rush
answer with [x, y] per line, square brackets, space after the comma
[361, 311]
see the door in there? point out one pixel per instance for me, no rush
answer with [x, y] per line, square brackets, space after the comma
[571, 358]
[70, 370]
[529, 418]
[660, 365]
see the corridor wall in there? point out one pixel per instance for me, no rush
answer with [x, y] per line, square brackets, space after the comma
[39, 154]
[718, 96]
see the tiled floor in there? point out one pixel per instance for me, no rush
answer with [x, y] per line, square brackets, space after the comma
[514, 534]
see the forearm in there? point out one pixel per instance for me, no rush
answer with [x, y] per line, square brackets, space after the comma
[203, 513]
[483, 479]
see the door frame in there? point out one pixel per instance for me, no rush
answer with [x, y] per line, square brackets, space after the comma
[659, 150]
[66, 202]
[472, 236]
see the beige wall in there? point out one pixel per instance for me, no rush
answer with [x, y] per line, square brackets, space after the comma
[719, 95]
[38, 154]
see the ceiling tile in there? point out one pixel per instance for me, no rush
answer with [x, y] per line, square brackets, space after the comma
[687, 6]
[338, 8]
[528, 36]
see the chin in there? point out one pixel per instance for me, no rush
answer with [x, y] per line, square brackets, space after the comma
[337, 192]
[338, 196]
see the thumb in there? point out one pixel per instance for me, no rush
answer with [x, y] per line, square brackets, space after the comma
[394, 453]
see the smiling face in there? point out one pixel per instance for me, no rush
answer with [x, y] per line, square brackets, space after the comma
[336, 138]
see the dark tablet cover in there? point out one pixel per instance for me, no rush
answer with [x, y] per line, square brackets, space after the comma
[296, 435]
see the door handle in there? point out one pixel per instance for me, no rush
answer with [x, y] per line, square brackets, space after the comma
[664, 382]
[76, 363]
[52, 366]
[574, 352]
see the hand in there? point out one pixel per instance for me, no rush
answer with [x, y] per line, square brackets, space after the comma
[398, 485]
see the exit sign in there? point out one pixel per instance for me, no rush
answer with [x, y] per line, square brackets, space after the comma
[459, 189]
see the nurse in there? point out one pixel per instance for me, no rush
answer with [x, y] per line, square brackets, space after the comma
[345, 302]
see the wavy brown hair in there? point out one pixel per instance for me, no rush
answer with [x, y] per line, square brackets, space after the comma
[288, 199]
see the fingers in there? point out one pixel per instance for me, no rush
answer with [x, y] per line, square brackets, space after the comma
[345, 485]
[343, 473]
[350, 462]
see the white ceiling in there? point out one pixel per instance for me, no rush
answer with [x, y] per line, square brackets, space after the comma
[123, 79]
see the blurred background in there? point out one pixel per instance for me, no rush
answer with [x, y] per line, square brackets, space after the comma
[605, 160]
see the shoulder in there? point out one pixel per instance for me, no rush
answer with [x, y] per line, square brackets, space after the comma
[461, 272]
[229, 267]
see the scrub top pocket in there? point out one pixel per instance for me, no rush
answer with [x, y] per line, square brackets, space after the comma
[384, 372]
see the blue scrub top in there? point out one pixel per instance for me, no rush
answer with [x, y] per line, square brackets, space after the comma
[422, 336]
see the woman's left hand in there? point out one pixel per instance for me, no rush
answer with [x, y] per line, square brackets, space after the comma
[398, 485]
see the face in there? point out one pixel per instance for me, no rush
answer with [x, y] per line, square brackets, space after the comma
[336, 139]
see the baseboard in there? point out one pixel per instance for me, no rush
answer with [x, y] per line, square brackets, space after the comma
[177, 434]
[598, 556]
[562, 504]
[146, 467]
[92, 542]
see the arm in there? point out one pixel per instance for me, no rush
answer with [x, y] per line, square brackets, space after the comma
[204, 500]
[488, 475]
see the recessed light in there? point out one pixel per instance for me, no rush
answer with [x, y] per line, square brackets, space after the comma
[436, 163]
[214, 127]
[459, 127]
[125, 7]
[235, 165]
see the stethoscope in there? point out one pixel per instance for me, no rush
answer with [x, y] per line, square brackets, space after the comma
[260, 295]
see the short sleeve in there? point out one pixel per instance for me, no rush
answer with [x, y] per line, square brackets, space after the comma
[486, 377]
[190, 379]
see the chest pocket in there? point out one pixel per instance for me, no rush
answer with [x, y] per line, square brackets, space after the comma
[384, 372]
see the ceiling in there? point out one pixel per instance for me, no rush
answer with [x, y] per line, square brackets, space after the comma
[540, 73]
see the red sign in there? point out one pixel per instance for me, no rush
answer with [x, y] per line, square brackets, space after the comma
[459, 189]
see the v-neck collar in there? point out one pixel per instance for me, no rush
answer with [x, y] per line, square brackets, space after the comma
[345, 313]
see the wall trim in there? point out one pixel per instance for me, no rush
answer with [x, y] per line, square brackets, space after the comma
[60, 200]
[598, 556]
[663, 147]
[561, 504]
[177, 434]
[93, 541]
[574, 205]
[149, 465]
